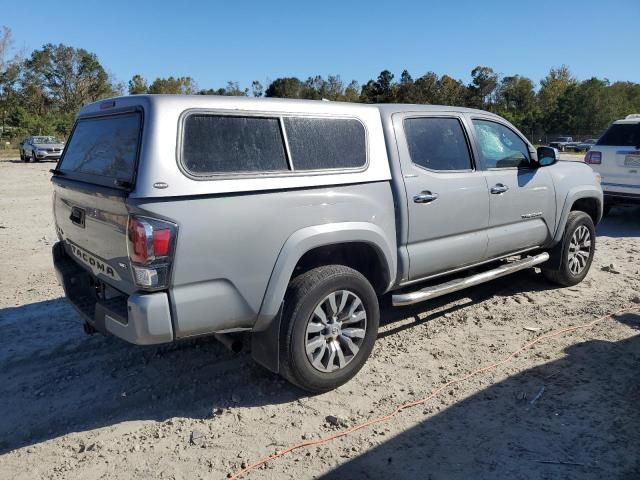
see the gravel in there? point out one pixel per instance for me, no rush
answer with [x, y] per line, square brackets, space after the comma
[61, 389]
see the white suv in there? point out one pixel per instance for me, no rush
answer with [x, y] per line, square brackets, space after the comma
[616, 157]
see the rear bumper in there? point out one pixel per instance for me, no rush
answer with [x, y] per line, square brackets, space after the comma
[142, 319]
[621, 194]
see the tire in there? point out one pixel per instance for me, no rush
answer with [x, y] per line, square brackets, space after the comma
[571, 273]
[310, 293]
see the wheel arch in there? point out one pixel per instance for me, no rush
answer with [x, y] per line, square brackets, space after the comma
[586, 199]
[306, 249]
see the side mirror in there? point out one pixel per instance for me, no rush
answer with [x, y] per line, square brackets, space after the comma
[547, 156]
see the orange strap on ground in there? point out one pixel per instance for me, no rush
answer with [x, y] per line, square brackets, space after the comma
[434, 393]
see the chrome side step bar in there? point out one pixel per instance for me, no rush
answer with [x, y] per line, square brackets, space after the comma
[434, 291]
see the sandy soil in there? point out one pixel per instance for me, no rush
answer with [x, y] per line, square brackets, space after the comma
[81, 407]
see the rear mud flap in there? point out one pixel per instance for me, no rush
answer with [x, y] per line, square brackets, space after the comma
[265, 344]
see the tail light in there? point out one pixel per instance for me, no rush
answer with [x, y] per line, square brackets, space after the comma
[593, 158]
[151, 244]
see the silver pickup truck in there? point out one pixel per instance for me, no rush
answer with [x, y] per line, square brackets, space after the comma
[181, 216]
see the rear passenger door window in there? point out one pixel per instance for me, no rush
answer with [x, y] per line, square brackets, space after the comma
[437, 144]
[499, 146]
[215, 144]
[326, 143]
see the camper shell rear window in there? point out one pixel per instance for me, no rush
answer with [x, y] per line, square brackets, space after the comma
[104, 149]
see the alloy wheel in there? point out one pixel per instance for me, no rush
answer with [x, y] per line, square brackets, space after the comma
[579, 250]
[335, 331]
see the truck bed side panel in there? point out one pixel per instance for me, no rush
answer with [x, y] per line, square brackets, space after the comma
[227, 246]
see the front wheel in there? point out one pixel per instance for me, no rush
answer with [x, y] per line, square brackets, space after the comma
[577, 250]
[330, 323]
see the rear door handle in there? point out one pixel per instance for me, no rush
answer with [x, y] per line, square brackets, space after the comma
[425, 197]
[498, 189]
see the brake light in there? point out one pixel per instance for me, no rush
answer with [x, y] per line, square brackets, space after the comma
[150, 244]
[138, 251]
[161, 241]
[593, 158]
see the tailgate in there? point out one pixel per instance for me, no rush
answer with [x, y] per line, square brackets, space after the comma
[620, 149]
[93, 225]
[91, 186]
[620, 168]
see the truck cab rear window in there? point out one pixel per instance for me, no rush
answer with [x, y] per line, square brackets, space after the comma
[104, 147]
[214, 144]
[437, 143]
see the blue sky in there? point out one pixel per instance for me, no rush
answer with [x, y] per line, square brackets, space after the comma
[244, 40]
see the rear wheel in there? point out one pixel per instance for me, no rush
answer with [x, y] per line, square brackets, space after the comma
[577, 250]
[330, 323]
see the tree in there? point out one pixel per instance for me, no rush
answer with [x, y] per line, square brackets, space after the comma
[405, 91]
[624, 98]
[380, 91]
[451, 92]
[352, 92]
[552, 88]
[369, 92]
[313, 88]
[426, 89]
[6, 42]
[584, 107]
[66, 77]
[174, 85]
[516, 101]
[9, 76]
[384, 87]
[287, 87]
[257, 90]
[333, 88]
[138, 85]
[233, 90]
[483, 86]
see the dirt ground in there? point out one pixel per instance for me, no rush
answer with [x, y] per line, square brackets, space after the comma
[91, 407]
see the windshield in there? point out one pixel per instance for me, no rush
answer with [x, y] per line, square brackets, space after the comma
[622, 135]
[104, 149]
[41, 140]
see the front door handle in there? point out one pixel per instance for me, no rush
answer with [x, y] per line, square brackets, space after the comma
[425, 197]
[498, 189]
